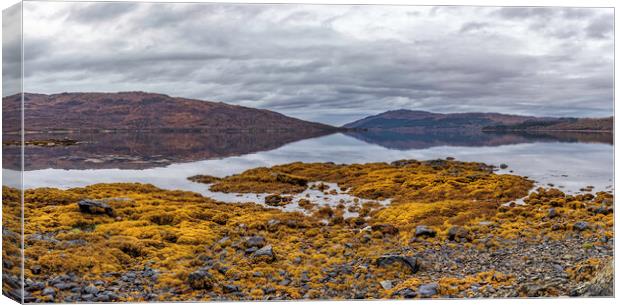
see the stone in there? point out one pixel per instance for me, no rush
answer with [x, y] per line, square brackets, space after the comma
[581, 226]
[552, 213]
[424, 231]
[406, 293]
[66, 286]
[230, 288]
[503, 166]
[385, 229]
[36, 269]
[458, 234]
[255, 241]
[412, 263]
[200, 280]
[96, 207]
[603, 210]
[386, 284]
[428, 290]
[36, 286]
[266, 253]
[91, 290]
[87, 297]
[277, 200]
[48, 291]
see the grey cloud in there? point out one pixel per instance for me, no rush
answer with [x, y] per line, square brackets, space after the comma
[299, 61]
[99, 12]
[526, 12]
[11, 50]
[601, 27]
[473, 26]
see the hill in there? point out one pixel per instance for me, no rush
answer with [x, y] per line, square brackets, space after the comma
[410, 119]
[564, 124]
[421, 121]
[142, 111]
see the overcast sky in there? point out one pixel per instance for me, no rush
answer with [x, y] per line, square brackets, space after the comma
[332, 64]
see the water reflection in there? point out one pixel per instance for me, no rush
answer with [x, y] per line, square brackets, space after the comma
[428, 138]
[145, 150]
[569, 165]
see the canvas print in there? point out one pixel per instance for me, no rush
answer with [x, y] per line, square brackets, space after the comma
[214, 152]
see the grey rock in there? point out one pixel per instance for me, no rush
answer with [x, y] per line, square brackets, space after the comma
[386, 284]
[230, 288]
[428, 290]
[424, 231]
[87, 297]
[458, 234]
[91, 206]
[48, 291]
[581, 226]
[255, 241]
[406, 293]
[409, 261]
[200, 279]
[265, 252]
[36, 269]
[66, 286]
[91, 290]
[36, 286]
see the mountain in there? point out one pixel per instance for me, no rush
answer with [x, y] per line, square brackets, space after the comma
[419, 120]
[564, 124]
[133, 111]
[422, 121]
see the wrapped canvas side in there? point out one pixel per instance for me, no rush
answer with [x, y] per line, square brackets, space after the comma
[12, 155]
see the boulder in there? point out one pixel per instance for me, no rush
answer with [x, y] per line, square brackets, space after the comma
[230, 288]
[406, 293]
[255, 241]
[581, 226]
[200, 280]
[412, 263]
[277, 200]
[386, 284]
[48, 291]
[459, 234]
[36, 269]
[96, 207]
[91, 290]
[428, 290]
[265, 253]
[603, 210]
[291, 179]
[385, 229]
[424, 231]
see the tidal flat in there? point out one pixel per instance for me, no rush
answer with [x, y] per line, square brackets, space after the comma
[450, 229]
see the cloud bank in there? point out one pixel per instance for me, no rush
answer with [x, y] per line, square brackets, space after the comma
[332, 64]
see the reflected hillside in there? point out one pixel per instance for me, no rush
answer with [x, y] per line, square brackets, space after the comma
[141, 150]
[421, 139]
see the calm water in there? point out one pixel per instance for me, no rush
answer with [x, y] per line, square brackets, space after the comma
[569, 164]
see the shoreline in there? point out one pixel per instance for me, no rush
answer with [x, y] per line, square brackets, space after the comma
[459, 238]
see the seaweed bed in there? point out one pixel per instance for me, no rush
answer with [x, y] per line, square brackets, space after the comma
[453, 229]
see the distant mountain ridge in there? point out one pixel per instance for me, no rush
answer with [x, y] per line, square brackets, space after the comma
[142, 111]
[411, 120]
[564, 124]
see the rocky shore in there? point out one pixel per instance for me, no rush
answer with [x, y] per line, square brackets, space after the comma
[452, 230]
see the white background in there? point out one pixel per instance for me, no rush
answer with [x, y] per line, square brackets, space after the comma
[584, 3]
